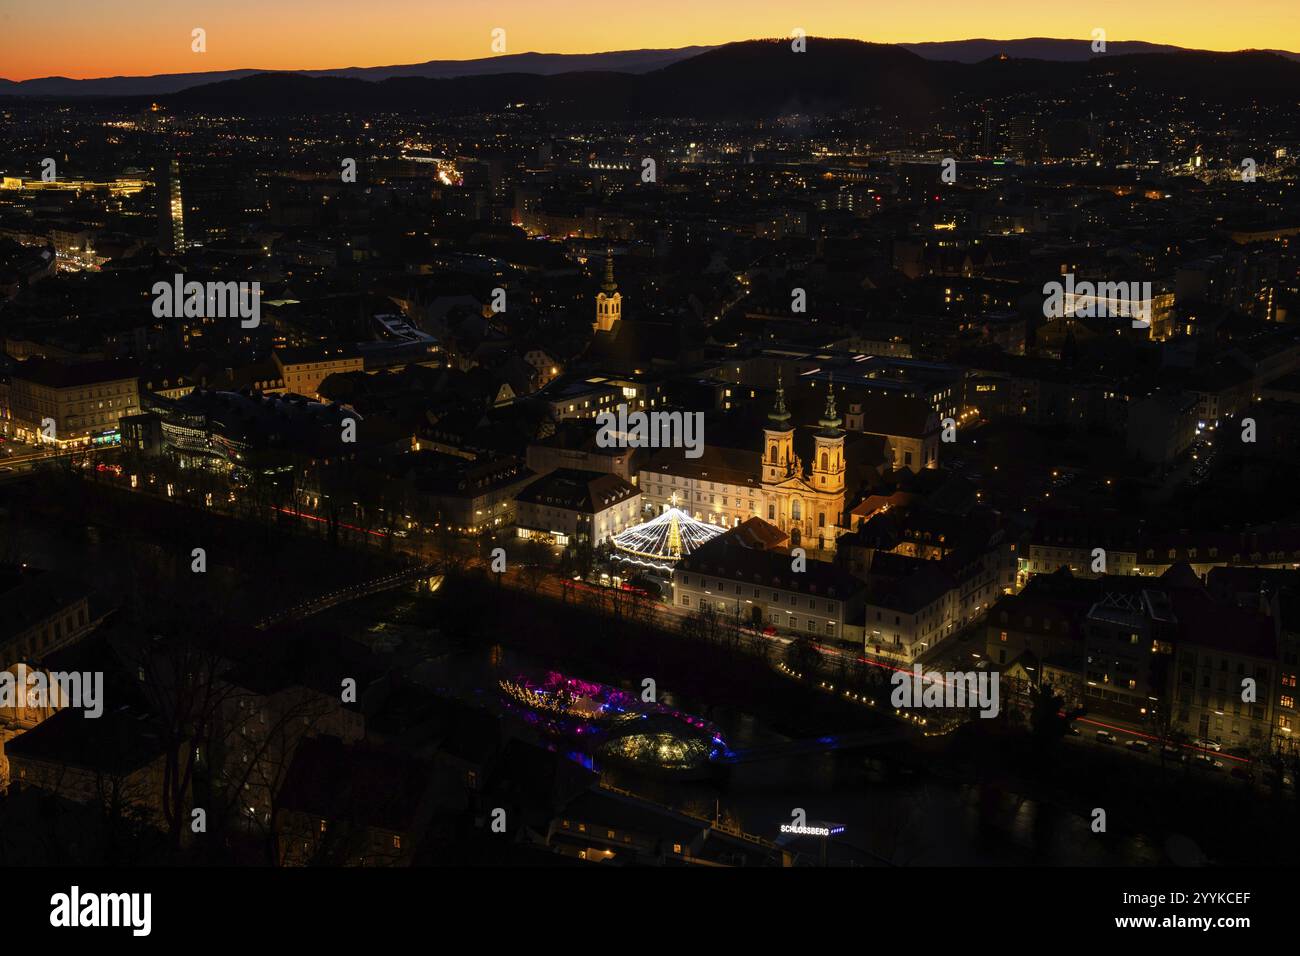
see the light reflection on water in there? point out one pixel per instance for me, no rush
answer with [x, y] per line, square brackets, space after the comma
[891, 815]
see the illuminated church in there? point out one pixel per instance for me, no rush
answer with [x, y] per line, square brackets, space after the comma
[626, 345]
[609, 301]
[806, 503]
[728, 486]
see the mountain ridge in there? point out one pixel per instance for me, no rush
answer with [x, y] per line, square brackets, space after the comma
[635, 62]
[755, 79]
[542, 64]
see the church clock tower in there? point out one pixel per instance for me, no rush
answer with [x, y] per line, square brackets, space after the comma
[609, 301]
[778, 440]
[828, 457]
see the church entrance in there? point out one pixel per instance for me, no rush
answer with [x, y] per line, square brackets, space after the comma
[795, 536]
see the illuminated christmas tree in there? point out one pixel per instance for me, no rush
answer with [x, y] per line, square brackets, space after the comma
[664, 540]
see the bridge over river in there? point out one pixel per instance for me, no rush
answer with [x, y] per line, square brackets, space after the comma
[351, 593]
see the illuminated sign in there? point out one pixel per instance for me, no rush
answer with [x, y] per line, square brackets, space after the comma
[811, 831]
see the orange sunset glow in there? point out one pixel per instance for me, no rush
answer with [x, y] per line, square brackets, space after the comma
[97, 38]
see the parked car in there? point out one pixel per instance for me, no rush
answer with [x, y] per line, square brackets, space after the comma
[1106, 737]
[1141, 746]
[1210, 763]
[1208, 744]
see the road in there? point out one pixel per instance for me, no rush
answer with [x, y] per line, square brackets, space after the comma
[25, 458]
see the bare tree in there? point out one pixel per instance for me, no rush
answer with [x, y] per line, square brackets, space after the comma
[536, 558]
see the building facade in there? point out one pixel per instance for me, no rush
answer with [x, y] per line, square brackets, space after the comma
[71, 405]
[570, 508]
[760, 589]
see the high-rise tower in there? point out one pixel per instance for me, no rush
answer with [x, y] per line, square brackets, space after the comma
[170, 206]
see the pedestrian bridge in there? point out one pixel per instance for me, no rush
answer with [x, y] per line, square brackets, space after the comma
[351, 593]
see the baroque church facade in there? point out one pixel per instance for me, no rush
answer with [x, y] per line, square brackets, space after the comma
[726, 487]
[805, 501]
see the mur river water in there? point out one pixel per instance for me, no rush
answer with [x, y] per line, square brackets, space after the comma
[892, 815]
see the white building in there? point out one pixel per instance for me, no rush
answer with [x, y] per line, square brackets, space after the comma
[569, 507]
[761, 588]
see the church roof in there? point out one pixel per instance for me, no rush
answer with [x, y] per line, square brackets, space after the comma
[636, 344]
[758, 534]
[727, 557]
[587, 491]
[732, 466]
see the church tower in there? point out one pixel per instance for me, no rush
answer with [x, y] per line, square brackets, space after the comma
[778, 440]
[828, 455]
[609, 301]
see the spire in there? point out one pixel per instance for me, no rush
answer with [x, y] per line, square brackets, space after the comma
[831, 418]
[778, 414]
[609, 287]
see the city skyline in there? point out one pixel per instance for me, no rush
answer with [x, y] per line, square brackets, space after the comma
[741, 436]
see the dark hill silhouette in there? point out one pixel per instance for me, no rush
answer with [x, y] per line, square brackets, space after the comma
[765, 78]
[1033, 48]
[541, 64]
[553, 64]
